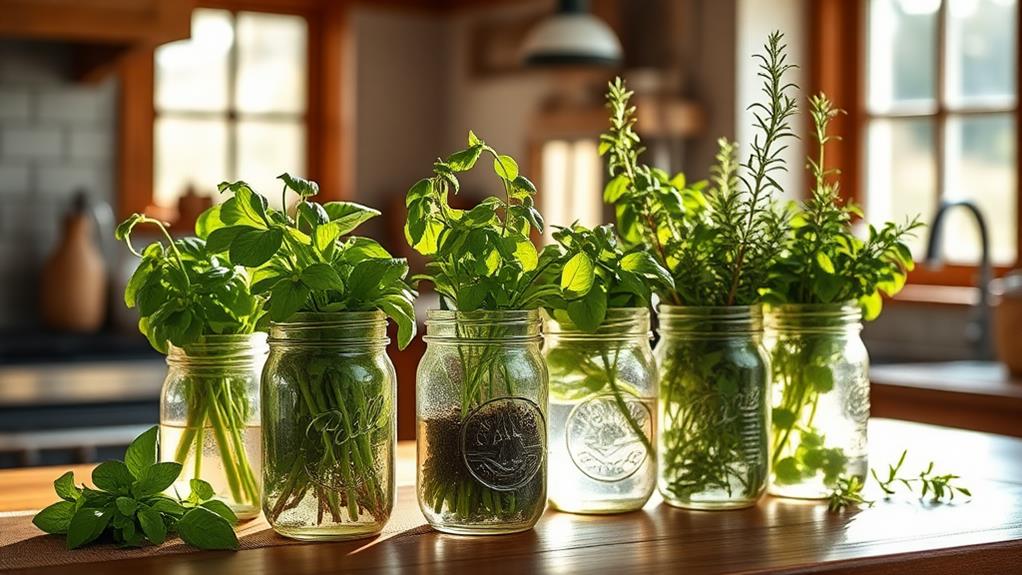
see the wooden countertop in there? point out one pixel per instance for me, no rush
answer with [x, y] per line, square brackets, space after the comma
[966, 394]
[983, 535]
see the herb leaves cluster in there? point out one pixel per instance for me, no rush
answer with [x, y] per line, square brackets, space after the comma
[184, 291]
[823, 261]
[308, 262]
[595, 273]
[129, 506]
[717, 239]
[482, 258]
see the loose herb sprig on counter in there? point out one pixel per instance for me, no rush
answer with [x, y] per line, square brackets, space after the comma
[940, 487]
[129, 506]
[309, 263]
[823, 262]
[480, 260]
[186, 293]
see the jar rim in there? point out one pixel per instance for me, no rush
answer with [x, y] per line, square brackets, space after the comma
[618, 322]
[220, 348]
[834, 309]
[482, 315]
[710, 311]
[330, 318]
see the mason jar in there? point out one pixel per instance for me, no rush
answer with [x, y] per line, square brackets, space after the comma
[481, 400]
[713, 406]
[602, 413]
[209, 417]
[329, 427]
[820, 397]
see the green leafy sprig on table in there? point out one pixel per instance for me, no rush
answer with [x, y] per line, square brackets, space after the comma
[482, 258]
[128, 504]
[309, 262]
[594, 273]
[823, 261]
[184, 291]
[940, 487]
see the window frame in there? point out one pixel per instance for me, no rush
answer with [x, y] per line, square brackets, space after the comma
[837, 36]
[327, 124]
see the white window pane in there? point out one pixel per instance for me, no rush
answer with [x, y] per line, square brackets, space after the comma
[189, 152]
[265, 150]
[192, 74]
[901, 174]
[902, 46]
[981, 52]
[981, 167]
[271, 63]
[571, 189]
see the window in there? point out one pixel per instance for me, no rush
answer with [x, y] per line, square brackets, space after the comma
[941, 114]
[572, 180]
[230, 103]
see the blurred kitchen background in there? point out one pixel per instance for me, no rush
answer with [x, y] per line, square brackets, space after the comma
[109, 107]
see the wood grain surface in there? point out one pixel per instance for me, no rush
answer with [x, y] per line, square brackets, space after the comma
[902, 535]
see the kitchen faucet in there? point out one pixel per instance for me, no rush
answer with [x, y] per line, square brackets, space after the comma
[978, 330]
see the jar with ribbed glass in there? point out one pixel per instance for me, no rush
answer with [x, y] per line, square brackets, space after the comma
[713, 406]
[209, 417]
[602, 413]
[481, 401]
[329, 427]
[820, 397]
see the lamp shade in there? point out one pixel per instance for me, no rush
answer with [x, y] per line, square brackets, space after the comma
[572, 36]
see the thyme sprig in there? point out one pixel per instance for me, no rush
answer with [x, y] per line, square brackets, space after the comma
[939, 486]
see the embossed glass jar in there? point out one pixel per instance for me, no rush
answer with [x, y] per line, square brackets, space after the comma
[820, 397]
[481, 400]
[209, 417]
[713, 406]
[329, 426]
[602, 413]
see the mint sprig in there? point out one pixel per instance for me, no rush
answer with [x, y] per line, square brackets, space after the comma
[130, 508]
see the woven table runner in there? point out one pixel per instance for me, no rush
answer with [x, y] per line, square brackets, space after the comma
[23, 545]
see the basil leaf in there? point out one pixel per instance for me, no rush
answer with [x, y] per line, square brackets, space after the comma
[349, 215]
[322, 277]
[578, 276]
[152, 525]
[301, 186]
[86, 526]
[589, 312]
[112, 476]
[56, 518]
[220, 239]
[253, 248]
[221, 509]
[286, 298]
[204, 529]
[505, 167]
[66, 488]
[142, 452]
[156, 478]
[201, 490]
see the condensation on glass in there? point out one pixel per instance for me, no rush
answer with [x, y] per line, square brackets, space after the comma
[209, 417]
[602, 413]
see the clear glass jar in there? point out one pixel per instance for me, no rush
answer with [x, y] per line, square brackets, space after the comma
[820, 397]
[714, 406]
[602, 413]
[481, 400]
[329, 426]
[209, 417]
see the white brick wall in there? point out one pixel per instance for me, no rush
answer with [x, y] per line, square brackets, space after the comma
[31, 143]
[14, 104]
[56, 136]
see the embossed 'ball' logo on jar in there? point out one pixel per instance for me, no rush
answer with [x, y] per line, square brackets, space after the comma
[600, 440]
[334, 430]
[503, 442]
